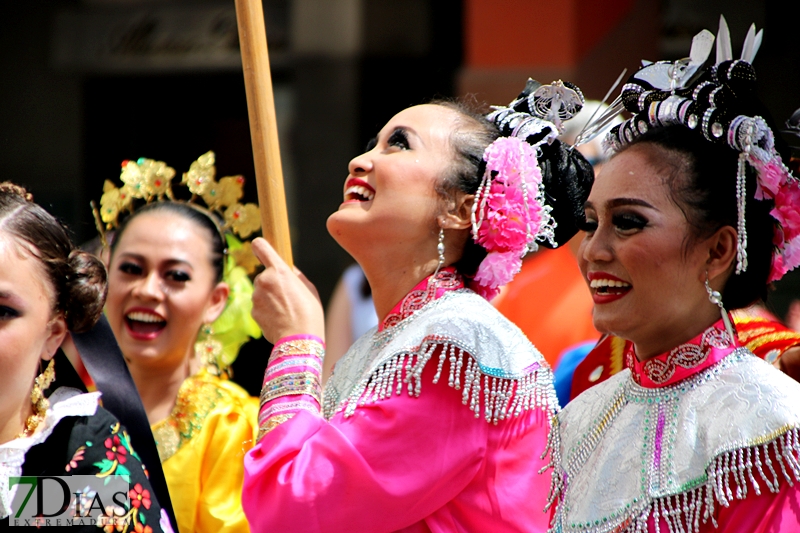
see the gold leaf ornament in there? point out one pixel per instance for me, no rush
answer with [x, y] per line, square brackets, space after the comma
[113, 201]
[225, 193]
[243, 219]
[200, 178]
[151, 180]
[158, 179]
[147, 178]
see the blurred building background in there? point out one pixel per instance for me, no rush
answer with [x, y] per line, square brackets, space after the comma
[85, 84]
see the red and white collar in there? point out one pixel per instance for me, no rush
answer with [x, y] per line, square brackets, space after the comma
[429, 289]
[708, 348]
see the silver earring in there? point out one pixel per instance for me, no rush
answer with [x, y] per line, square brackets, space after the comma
[440, 249]
[716, 298]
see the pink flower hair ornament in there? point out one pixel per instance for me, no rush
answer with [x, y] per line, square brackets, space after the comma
[774, 181]
[509, 214]
[786, 255]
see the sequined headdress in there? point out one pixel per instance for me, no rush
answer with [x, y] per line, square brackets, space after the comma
[511, 214]
[147, 180]
[714, 102]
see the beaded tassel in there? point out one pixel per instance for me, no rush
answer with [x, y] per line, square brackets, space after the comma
[729, 475]
[741, 192]
[498, 398]
[553, 447]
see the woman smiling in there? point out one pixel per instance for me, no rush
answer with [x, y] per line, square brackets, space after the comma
[690, 213]
[439, 418]
[171, 278]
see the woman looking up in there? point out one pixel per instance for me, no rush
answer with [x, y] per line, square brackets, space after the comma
[168, 284]
[697, 434]
[47, 289]
[438, 419]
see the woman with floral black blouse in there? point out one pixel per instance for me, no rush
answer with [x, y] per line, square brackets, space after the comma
[48, 289]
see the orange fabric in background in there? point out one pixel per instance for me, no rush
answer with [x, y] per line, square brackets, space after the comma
[526, 33]
[550, 302]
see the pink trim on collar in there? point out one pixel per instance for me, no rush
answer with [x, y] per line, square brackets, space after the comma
[426, 291]
[708, 348]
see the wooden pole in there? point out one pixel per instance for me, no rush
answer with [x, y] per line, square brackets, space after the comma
[263, 126]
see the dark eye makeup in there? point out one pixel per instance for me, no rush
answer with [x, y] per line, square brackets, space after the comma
[628, 221]
[587, 224]
[7, 313]
[625, 222]
[399, 139]
[130, 268]
[178, 276]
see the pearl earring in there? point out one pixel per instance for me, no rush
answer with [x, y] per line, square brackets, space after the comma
[716, 298]
[440, 249]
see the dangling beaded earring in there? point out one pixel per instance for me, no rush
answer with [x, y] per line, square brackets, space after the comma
[210, 349]
[716, 298]
[40, 403]
[440, 249]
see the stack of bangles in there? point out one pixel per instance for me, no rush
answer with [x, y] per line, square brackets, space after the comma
[292, 381]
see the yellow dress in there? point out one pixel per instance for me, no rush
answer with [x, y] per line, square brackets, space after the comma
[202, 445]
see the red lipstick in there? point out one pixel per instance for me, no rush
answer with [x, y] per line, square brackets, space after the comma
[604, 294]
[144, 324]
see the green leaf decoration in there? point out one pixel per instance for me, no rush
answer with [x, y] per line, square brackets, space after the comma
[122, 470]
[105, 465]
[235, 326]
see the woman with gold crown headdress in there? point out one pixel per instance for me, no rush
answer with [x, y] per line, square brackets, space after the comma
[179, 306]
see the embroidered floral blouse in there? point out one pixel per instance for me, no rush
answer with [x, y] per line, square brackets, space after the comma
[404, 444]
[703, 438]
[81, 438]
[202, 445]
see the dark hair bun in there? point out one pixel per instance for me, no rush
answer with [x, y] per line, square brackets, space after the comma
[85, 291]
[568, 179]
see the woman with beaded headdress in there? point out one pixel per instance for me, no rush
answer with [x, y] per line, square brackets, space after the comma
[48, 289]
[438, 418]
[179, 305]
[695, 209]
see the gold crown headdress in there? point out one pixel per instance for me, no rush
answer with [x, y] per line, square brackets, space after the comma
[151, 180]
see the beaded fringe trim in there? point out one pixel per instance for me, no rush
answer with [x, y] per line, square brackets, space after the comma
[500, 398]
[729, 477]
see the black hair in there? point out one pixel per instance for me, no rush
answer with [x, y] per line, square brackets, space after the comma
[701, 177]
[196, 214]
[79, 279]
[568, 179]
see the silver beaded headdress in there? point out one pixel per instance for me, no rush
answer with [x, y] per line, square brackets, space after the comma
[706, 100]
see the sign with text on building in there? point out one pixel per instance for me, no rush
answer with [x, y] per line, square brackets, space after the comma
[70, 501]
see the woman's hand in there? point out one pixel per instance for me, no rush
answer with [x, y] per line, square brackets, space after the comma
[284, 301]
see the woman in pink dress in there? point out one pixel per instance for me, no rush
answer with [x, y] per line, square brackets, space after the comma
[439, 418]
[695, 209]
